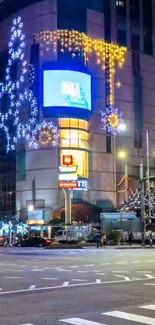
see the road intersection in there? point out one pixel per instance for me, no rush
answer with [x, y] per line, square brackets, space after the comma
[78, 287]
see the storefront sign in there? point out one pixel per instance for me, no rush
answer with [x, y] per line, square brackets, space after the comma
[67, 160]
[68, 185]
[82, 185]
[67, 169]
[67, 177]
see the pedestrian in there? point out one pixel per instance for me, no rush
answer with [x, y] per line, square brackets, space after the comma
[104, 240]
[151, 239]
[98, 239]
[130, 238]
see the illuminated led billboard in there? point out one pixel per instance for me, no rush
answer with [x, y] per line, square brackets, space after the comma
[67, 89]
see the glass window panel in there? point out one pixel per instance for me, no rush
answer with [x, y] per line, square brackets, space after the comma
[86, 125]
[64, 122]
[73, 123]
[81, 124]
[64, 138]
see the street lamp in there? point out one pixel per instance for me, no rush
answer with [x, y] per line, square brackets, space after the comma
[30, 208]
[122, 127]
[122, 154]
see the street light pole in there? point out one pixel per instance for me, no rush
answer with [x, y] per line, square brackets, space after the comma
[148, 171]
[142, 203]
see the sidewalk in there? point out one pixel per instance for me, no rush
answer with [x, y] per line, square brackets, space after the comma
[121, 247]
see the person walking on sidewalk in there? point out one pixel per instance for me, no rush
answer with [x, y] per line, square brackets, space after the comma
[98, 239]
[130, 238]
[151, 239]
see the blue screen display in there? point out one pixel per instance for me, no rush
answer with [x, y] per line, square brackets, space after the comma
[65, 88]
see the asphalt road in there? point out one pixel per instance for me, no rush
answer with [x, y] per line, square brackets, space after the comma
[81, 287]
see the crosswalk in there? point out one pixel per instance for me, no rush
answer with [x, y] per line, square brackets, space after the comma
[145, 315]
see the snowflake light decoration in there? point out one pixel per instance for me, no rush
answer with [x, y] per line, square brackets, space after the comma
[18, 96]
[111, 119]
[49, 131]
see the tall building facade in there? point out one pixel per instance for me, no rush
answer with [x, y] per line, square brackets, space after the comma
[129, 23]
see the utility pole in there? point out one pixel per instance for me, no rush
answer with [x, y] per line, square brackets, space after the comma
[142, 202]
[148, 171]
[68, 205]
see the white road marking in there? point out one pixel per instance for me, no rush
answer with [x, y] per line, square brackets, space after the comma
[121, 262]
[32, 287]
[144, 271]
[37, 270]
[124, 277]
[89, 265]
[131, 317]
[105, 263]
[135, 262]
[149, 276]
[13, 277]
[79, 280]
[65, 284]
[27, 324]
[63, 270]
[79, 321]
[100, 273]
[149, 307]
[74, 266]
[149, 284]
[150, 261]
[82, 271]
[49, 278]
[120, 271]
[72, 285]
[98, 280]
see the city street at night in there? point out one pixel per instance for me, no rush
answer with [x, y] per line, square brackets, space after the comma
[77, 287]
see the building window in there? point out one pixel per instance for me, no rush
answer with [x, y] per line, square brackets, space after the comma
[147, 26]
[74, 138]
[21, 163]
[135, 24]
[135, 63]
[120, 4]
[137, 140]
[135, 42]
[108, 143]
[73, 123]
[96, 5]
[80, 159]
[121, 37]
[107, 20]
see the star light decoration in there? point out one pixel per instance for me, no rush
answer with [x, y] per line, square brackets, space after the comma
[111, 119]
[19, 96]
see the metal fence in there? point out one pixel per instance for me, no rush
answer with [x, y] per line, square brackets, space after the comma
[123, 225]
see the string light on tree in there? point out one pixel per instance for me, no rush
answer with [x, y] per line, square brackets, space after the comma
[18, 95]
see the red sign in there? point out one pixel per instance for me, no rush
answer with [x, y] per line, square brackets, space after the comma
[67, 160]
[67, 184]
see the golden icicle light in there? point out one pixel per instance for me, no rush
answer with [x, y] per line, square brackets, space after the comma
[74, 41]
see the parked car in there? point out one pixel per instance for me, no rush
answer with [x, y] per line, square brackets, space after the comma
[3, 241]
[34, 242]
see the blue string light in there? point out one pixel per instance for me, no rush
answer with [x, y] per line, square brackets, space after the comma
[18, 96]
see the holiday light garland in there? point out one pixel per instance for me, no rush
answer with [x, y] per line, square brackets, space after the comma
[79, 43]
[111, 119]
[18, 95]
[108, 55]
[45, 129]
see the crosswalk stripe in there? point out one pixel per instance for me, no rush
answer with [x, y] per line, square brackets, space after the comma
[79, 321]
[131, 317]
[149, 307]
